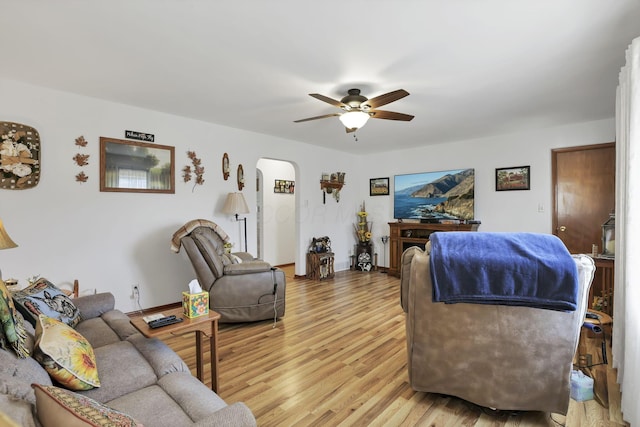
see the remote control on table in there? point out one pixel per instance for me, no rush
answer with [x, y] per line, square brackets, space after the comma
[170, 320]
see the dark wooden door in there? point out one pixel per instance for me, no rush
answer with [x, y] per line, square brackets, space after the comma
[584, 194]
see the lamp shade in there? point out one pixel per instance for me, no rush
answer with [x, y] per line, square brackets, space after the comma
[354, 119]
[235, 204]
[5, 240]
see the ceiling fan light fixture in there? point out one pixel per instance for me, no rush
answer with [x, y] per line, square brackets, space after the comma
[354, 119]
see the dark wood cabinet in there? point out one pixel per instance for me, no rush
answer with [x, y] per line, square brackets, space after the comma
[403, 235]
[601, 291]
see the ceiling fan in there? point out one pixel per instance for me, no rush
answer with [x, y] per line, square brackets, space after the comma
[358, 109]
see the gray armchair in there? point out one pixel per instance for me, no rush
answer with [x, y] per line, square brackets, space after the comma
[498, 356]
[241, 288]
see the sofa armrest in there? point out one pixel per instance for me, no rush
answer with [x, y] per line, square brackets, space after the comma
[91, 306]
[248, 267]
[237, 414]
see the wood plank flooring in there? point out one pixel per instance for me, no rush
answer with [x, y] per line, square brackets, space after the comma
[338, 358]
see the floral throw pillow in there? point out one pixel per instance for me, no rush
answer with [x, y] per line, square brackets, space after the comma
[59, 407]
[12, 332]
[65, 354]
[43, 297]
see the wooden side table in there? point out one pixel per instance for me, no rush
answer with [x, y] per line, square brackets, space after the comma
[320, 265]
[602, 287]
[206, 325]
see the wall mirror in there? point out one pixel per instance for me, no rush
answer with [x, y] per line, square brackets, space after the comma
[136, 167]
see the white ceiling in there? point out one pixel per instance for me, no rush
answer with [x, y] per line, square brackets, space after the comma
[473, 68]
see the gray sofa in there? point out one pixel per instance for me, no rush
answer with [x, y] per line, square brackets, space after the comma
[497, 356]
[139, 376]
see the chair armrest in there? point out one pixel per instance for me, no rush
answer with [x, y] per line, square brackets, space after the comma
[245, 256]
[248, 267]
[91, 306]
[405, 274]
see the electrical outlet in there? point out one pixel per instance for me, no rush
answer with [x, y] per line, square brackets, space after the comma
[135, 291]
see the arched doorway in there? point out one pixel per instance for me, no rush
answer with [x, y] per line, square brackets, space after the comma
[276, 211]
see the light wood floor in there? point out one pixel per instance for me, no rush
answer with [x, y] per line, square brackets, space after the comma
[338, 357]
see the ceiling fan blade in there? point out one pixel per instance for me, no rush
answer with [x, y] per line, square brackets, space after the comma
[316, 118]
[327, 100]
[387, 98]
[390, 115]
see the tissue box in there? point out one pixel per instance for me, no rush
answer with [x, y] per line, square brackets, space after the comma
[194, 305]
[581, 386]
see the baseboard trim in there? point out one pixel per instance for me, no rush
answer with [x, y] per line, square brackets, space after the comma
[152, 310]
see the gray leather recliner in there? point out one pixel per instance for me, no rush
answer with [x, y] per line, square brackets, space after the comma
[496, 356]
[241, 288]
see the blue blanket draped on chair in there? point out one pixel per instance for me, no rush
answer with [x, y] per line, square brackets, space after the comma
[526, 269]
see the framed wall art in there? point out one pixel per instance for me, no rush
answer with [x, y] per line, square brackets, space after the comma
[379, 187]
[19, 156]
[513, 178]
[284, 186]
[136, 167]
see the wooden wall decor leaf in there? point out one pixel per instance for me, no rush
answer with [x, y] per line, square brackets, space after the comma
[81, 159]
[81, 142]
[198, 169]
[81, 177]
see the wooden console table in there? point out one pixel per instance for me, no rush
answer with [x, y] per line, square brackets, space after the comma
[403, 235]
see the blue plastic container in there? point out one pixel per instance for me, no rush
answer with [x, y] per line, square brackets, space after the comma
[581, 386]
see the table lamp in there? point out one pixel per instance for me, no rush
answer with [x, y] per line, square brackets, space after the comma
[234, 205]
[5, 241]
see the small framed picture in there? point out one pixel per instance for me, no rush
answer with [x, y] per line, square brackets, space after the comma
[284, 186]
[379, 186]
[513, 178]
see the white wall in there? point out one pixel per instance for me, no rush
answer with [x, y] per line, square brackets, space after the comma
[498, 210]
[110, 241]
[279, 213]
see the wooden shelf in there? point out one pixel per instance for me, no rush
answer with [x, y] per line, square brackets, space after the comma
[334, 185]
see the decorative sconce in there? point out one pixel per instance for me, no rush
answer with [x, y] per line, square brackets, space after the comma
[225, 166]
[240, 178]
[332, 184]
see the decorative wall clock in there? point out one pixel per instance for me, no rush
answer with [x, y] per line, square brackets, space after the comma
[19, 156]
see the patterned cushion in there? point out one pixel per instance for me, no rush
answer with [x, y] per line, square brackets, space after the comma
[59, 407]
[12, 333]
[45, 298]
[65, 354]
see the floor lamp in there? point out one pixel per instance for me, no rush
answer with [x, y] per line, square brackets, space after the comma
[384, 239]
[234, 205]
[5, 241]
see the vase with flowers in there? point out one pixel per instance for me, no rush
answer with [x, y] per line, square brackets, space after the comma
[363, 236]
